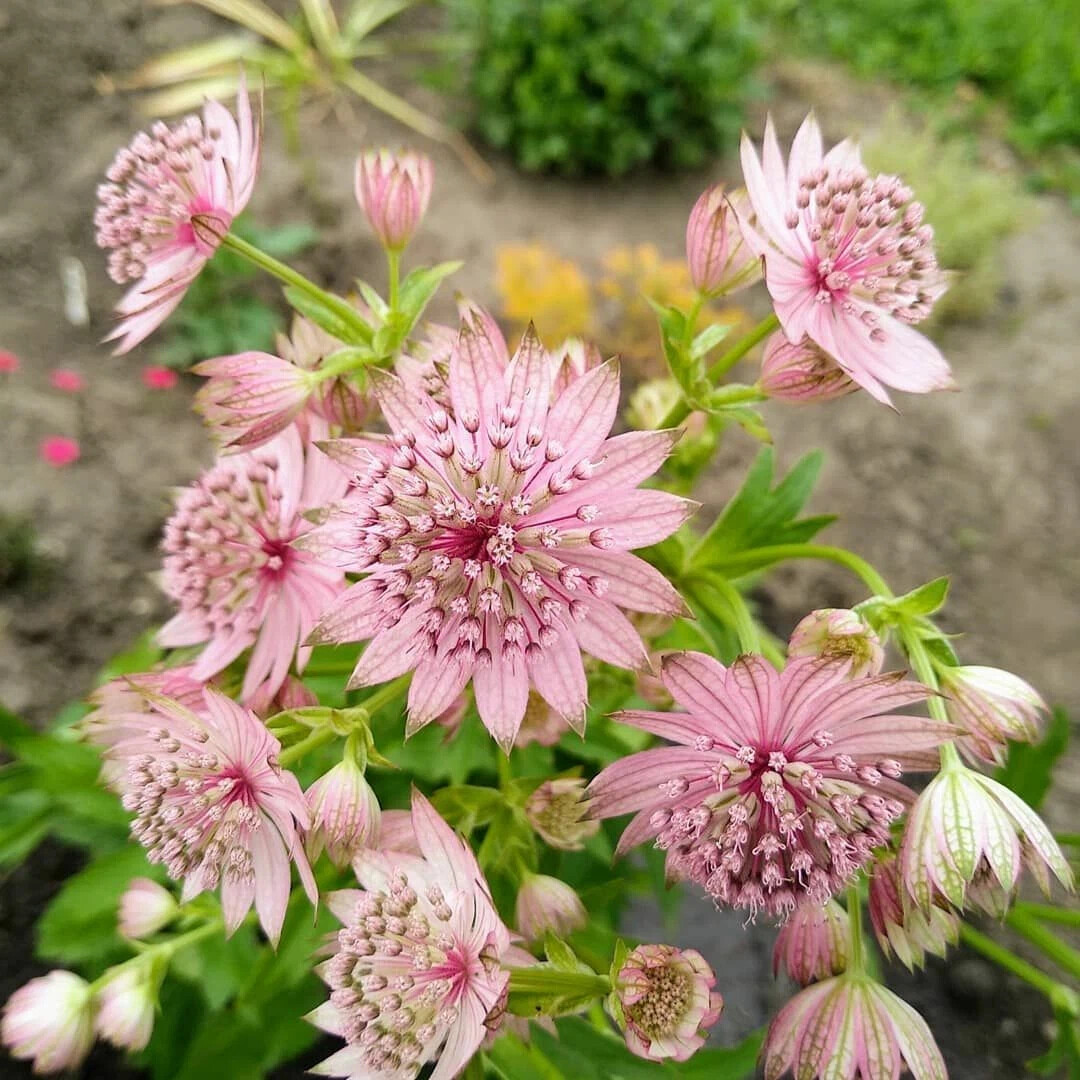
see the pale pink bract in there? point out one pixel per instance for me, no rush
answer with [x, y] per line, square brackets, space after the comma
[171, 197]
[782, 783]
[814, 943]
[801, 373]
[848, 261]
[495, 536]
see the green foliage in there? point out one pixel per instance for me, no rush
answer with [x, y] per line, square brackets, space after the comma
[22, 565]
[576, 87]
[1029, 768]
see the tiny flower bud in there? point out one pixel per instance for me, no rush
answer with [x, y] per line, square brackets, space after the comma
[555, 810]
[393, 190]
[801, 373]
[50, 1021]
[126, 1005]
[719, 260]
[546, 903]
[814, 943]
[838, 634]
[145, 908]
[344, 813]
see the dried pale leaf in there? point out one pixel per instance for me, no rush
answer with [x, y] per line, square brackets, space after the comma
[191, 95]
[323, 25]
[255, 16]
[180, 65]
[368, 15]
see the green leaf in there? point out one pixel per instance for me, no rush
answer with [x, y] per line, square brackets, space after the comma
[514, 1060]
[708, 339]
[330, 320]
[687, 372]
[912, 606]
[1028, 770]
[418, 289]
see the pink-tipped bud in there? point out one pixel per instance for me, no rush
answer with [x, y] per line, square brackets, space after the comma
[838, 634]
[556, 811]
[393, 190]
[814, 943]
[145, 908]
[50, 1021]
[126, 1005]
[719, 260]
[666, 999]
[344, 814]
[801, 373]
[548, 904]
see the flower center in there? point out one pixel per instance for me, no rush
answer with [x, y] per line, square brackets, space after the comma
[665, 1002]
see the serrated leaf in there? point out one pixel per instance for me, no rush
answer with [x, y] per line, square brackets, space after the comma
[417, 290]
[924, 600]
[708, 339]
[348, 331]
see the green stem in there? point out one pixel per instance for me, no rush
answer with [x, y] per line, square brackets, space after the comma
[319, 737]
[1008, 960]
[681, 410]
[545, 980]
[1067, 958]
[741, 619]
[854, 912]
[923, 666]
[1050, 913]
[393, 263]
[386, 694]
[289, 276]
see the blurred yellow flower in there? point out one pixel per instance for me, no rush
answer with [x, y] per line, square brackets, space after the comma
[535, 284]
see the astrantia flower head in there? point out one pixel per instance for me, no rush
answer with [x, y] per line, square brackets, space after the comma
[416, 975]
[993, 707]
[145, 908]
[393, 190]
[666, 999]
[544, 904]
[50, 1021]
[838, 634]
[212, 804]
[899, 925]
[848, 261]
[126, 1006]
[782, 784]
[231, 565]
[801, 373]
[967, 839]
[556, 810]
[814, 943]
[171, 197]
[495, 537]
[344, 813]
[850, 1028]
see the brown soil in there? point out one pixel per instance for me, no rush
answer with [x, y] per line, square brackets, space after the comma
[980, 484]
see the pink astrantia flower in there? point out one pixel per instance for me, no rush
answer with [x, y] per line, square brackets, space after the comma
[667, 1001]
[212, 804]
[782, 784]
[801, 373]
[814, 943]
[171, 197]
[156, 377]
[556, 810]
[496, 536]
[145, 908]
[544, 904]
[720, 261]
[9, 362]
[838, 634]
[344, 813]
[900, 926]
[231, 565]
[66, 381]
[417, 973]
[393, 190]
[850, 1028]
[993, 707]
[848, 262]
[50, 1021]
[967, 839]
[59, 451]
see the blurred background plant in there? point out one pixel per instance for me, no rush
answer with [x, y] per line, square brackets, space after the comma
[23, 564]
[577, 87]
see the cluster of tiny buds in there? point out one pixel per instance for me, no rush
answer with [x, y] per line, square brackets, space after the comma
[870, 238]
[151, 192]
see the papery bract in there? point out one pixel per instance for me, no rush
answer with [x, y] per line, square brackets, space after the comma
[801, 373]
[50, 1021]
[393, 190]
[838, 634]
[782, 783]
[719, 260]
[171, 197]
[848, 261]
[814, 943]
[544, 904]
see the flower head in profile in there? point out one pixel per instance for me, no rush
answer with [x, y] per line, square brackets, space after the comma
[496, 536]
[557, 811]
[127, 1003]
[666, 1000]
[901, 927]
[848, 261]
[344, 813]
[719, 260]
[50, 1021]
[801, 373]
[231, 565]
[145, 908]
[416, 974]
[993, 707]
[544, 904]
[967, 840]
[814, 943]
[393, 190]
[171, 197]
[850, 1028]
[838, 634]
[780, 785]
[211, 802]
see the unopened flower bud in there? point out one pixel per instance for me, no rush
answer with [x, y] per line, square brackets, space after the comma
[344, 813]
[838, 634]
[667, 1001]
[556, 812]
[814, 943]
[719, 260]
[126, 1005]
[570, 361]
[50, 1021]
[145, 908]
[393, 190]
[547, 904]
[900, 926]
[801, 373]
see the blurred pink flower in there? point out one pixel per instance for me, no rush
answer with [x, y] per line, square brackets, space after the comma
[9, 362]
[801, 373]
[171, 197]
[212, 804]
[156, 377]
[344, 813]
[496, 537]
[848, 262]
[231, 565]
[66, 381]
[50, 1021]
[838, 634]
[145, 908]
[814, 943]
[126, 1005]
[393, 190]
[850, 1028]
[782, 784]
[546, 904]
[719, 260]
[59, 450]
[417, 974]
[667, 1001]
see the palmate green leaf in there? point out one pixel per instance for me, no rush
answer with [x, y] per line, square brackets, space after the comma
[1029, 768]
